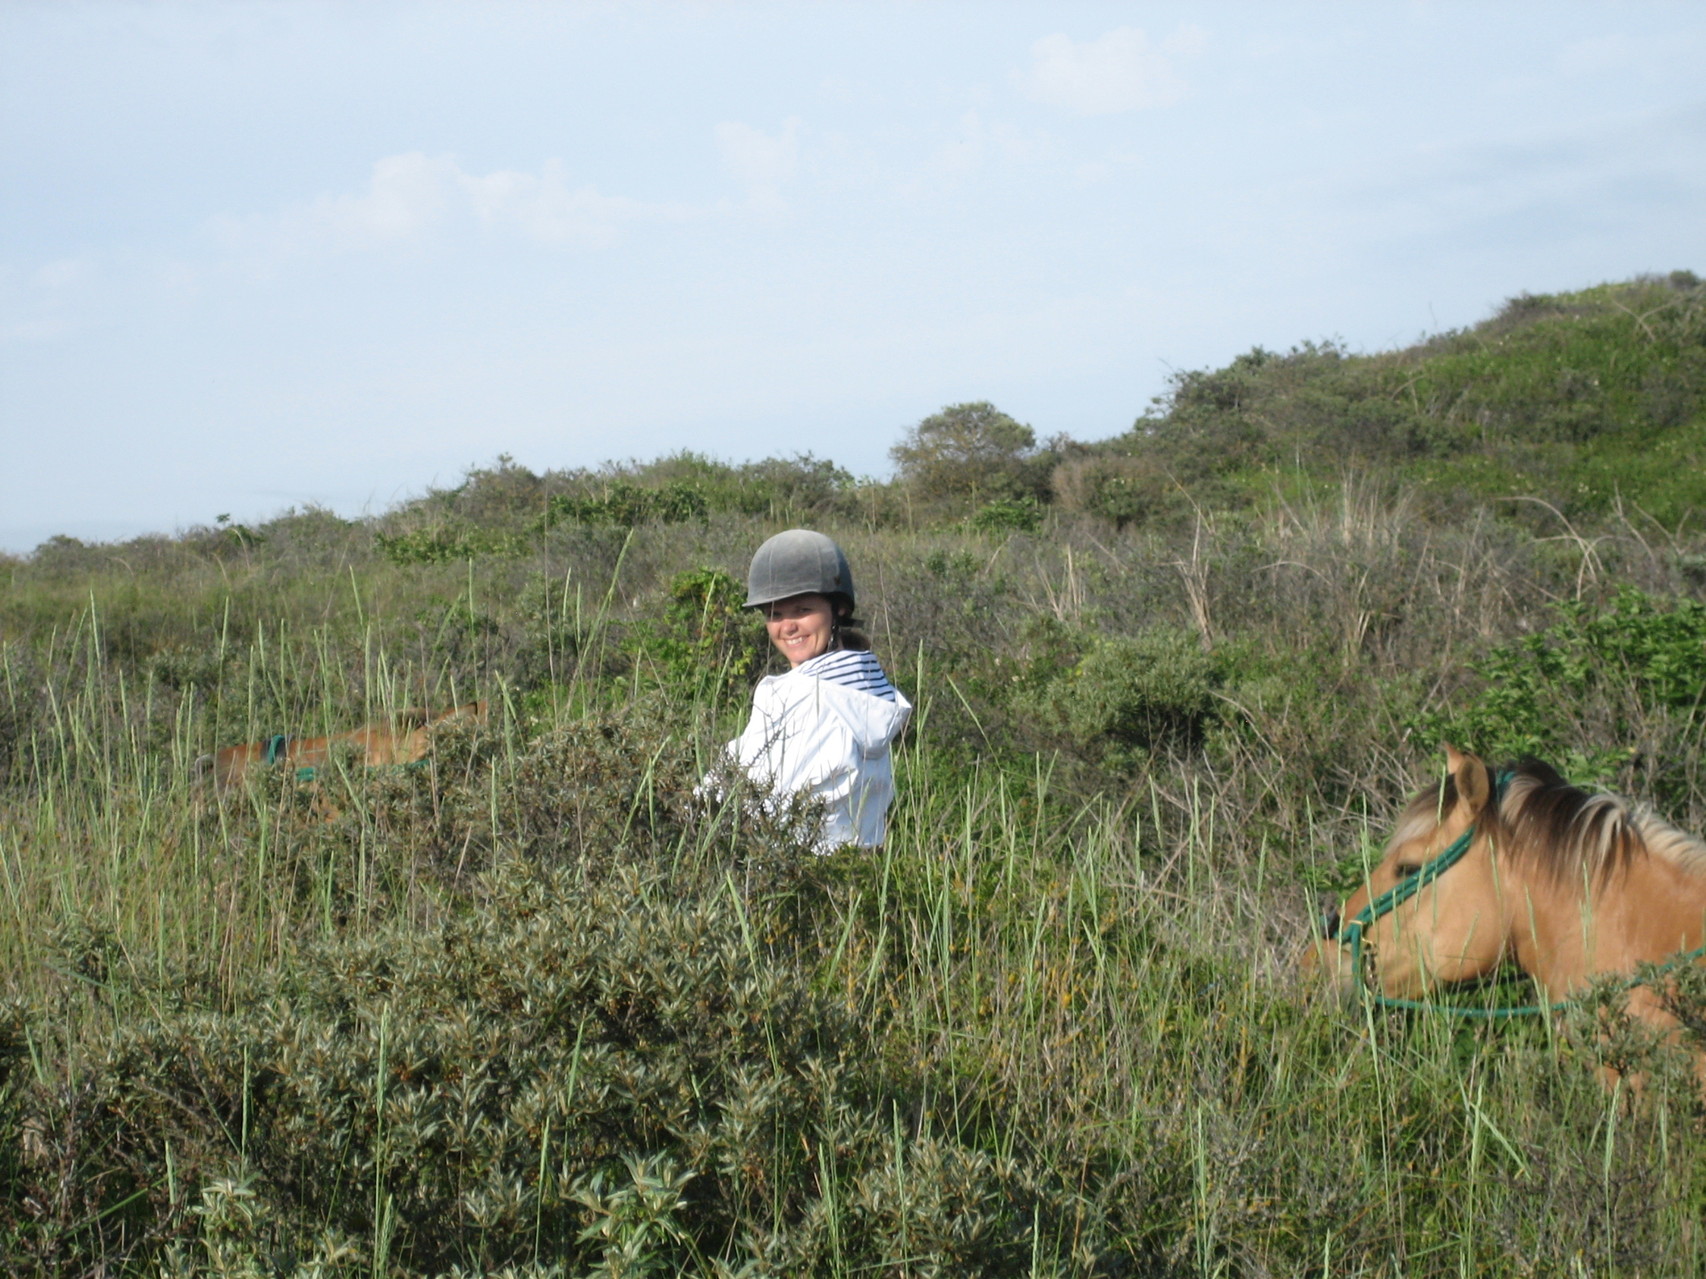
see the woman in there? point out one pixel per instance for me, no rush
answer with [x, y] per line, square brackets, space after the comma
[823, 729]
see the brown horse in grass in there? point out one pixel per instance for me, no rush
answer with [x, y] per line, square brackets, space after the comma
[405, 740]
[1565, 885]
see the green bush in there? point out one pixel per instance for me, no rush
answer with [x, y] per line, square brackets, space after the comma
[583, 1073]
[774, 488]
[1125, 490]
[1130, 697]
[705, 642]
[972, 452]
[447, 544]
[1609, 694]
[622, 504]
[1008, 515]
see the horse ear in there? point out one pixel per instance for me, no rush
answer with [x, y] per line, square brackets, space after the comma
[1474, 779]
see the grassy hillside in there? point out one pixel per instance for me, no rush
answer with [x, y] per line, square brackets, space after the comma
[540, 1009]
[1591, 402]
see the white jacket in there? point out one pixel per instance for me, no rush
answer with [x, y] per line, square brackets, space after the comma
[829, 741]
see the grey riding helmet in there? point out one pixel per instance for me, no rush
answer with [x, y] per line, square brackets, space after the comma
[798, 562]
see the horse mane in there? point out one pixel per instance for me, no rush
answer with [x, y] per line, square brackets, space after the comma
[1571, 835]
[1561, 831]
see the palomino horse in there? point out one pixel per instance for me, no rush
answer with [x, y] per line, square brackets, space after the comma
[403, 741]
[1519, 868]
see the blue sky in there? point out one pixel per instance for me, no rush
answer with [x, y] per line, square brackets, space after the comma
[255, 256]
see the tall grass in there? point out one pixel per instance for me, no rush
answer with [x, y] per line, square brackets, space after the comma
[539, 1006]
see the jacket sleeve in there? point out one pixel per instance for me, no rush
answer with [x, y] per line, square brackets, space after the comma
[794, 742]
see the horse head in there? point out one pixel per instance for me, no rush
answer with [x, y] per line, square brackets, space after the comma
[1568, 885]
[1415, 926]
[401, 740]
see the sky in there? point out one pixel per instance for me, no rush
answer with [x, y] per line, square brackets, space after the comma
[256, 257]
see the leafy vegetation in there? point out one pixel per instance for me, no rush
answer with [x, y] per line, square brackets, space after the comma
[1578, 401]
[1596, 691]
[972, 452]
[548, 1006]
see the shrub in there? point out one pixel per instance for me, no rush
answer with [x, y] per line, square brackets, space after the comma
[775, 488]
[1129, 697]
[1583, 399]
[1122, 489]
[970, 451]
[611, 788]
[1008, 515]
[705, 643]
[578, 1073]
[1605, 693]
[447, 544]
[622, 504]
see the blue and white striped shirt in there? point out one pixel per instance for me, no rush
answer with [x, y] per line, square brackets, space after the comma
[858, 670]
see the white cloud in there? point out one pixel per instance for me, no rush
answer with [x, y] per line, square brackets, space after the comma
[1120, 71]
[405, 196]
[412, 198]
[64, 273]
[38, 304]
[764, 163]
[545, 209]
[34, 330]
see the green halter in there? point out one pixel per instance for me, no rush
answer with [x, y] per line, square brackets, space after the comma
[1400, 893]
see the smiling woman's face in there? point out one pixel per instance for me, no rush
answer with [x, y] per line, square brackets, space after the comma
[800, 626]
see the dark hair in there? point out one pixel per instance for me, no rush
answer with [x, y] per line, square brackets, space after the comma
[849, 632]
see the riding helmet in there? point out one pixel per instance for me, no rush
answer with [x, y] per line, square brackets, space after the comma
[798, 562]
